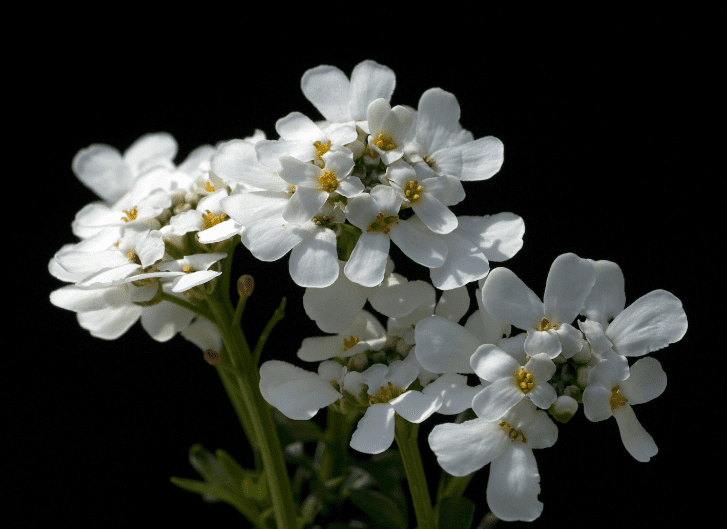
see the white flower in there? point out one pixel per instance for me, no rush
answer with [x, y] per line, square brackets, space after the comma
[506, 443]
[192, 270]
[377, 215]
[137, 249]
[510, 381]
[366, 333]
[444, 346]
[427, 195]
[341, 100]
[388, 128]
[650, 323]
[613, 388]
[313, 184]
[444, 147]
[110, 175]
[547, 322]
[387, 390]
[297, 393]
[109, 312]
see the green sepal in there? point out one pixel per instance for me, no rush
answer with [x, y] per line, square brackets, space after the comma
[346, 241]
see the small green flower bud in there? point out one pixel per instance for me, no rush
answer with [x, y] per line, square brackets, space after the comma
[212, 357]
[245, 286]
[563, 408]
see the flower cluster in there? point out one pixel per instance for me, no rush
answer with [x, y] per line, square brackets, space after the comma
[334, 193]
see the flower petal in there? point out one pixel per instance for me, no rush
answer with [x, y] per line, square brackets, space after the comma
[514, 485]
[505, 296]
[444, 346]
[462, 449]
[650, 323]
[375, 431]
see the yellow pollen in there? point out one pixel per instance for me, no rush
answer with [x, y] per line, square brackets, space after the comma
[328, 181]
[524, 381]
[512, 433]
[186, 268]
[413, 191]
[429, 161]
[130, 214]
[545, 325]
[322, 148]
[385, 394]
[350, 342]
[209, 186]
[616, 399]
[131, 256]
[385, 143]
[212, 220]
[291, 189]
[383, 223]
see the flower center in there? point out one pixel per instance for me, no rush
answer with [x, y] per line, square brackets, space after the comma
[209, 186]
[350, 342]
[186, 269]
[385, 394]
[322, 148]
[328, 181]
[212, 220]
[130, 214]
[385, 143]
[429, 161]
[616, 399]
[524, 381]
[545, 325]
[512, 433]
[383, 223]
[413, 191]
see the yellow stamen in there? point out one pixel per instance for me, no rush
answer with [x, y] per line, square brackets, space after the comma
[385, 143]
[385, 394]
[616, 399]
[382, 223]
[413, 191]
[322, 148]
[130, 214]
[429, 161]
[328, 181]
[350, 342]
[545, 325]
[209, 186]
[512, 433]
[211, 219]
[524, 381]
[186, 268]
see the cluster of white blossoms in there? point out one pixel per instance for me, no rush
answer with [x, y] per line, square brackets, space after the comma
[334, 193]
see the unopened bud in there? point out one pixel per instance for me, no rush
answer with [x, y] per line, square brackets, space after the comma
[563, 408]
[245, 286]
[212, 357]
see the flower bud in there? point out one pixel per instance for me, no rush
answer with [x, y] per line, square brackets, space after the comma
[563, 408]
[212, 357]
[245, 286]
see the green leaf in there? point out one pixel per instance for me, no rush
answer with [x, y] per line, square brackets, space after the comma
[382, 509]
[456, 513]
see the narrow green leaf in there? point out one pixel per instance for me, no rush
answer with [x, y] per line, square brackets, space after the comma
[456, 513]
[382, 509]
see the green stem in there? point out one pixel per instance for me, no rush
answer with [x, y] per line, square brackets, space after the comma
[263, 427]
[406, 440]
[275, 318]
[189, 306]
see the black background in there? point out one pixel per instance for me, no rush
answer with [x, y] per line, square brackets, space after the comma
[598, 145]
